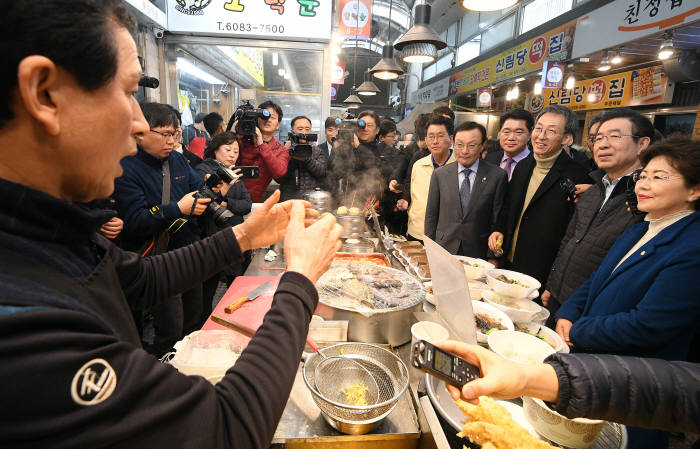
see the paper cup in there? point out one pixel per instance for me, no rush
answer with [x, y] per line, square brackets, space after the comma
[429, 331]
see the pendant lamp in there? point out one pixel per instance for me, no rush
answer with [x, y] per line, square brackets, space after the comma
[368, 87]
[353, 100]
[420, 44]
[387, 68]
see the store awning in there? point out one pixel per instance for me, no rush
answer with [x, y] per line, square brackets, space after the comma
[406, 125]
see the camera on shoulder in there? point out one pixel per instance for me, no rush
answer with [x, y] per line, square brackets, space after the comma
[247, 117]
[301, 147]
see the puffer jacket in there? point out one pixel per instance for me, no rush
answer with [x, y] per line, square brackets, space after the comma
[589, 236]
[303, 176]
[640, 392]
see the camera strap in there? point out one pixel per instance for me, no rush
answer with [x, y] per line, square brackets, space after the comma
[162, 239]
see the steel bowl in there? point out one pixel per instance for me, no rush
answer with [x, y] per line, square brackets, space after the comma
[320, 200]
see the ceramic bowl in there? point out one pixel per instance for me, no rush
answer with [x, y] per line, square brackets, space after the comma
[525, 287]
[519, 347]
[494, 314]
[576, 433]
[519, 310]
[475, 272]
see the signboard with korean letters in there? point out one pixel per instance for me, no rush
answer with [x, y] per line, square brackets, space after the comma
[299, 20]
[634, 88]
[626, 20]
[553, 45]
[432, 92]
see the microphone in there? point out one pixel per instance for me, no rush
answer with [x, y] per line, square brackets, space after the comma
[149, 81]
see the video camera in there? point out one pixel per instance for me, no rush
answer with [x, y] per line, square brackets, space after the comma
[347, 127]
[221, 215]
[247, 117]
[630, 196]
[301, 147]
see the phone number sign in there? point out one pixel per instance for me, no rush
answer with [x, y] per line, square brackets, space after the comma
[301, 20]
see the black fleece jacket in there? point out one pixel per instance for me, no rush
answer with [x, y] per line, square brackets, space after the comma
[152, 405]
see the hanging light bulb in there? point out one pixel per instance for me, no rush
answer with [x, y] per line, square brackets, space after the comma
[488, 5]
[368, 87]
[280, 72]
[616, 59]
[570, 81]
[666, 48]
[420, 44]
[387, 68]
[604, 65]
[538, 88]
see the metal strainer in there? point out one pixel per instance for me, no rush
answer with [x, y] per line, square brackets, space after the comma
[334, 376]
[387, 370]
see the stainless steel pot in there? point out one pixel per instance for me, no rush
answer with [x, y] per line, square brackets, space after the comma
[353, 226]
[320, 200]
[392, 326]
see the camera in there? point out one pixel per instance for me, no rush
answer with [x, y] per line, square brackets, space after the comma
[221, 215]
[158, 32]
[630, 196]
[247, 117]
[301, 147]
[569, 187]
[149, 81]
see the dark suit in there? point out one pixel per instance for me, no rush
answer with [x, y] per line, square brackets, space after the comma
[324, 148]
[444, 223]
[545, 220]
[494, 157]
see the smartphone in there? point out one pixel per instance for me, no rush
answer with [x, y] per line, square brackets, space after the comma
[249, 171]
[443, 365]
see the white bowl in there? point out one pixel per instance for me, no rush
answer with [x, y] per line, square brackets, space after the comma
[544, 333]
[512, 290]
[519, 346]
[429, 331]
[473, 273]
[493, 314]
[476, 289]
[519, 310]
[576, 432]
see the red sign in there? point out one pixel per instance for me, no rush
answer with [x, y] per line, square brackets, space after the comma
[355, 19]
[334, 92]
[538, 50]
[338, 73]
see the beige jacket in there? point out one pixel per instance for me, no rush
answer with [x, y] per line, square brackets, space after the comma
[420, 185]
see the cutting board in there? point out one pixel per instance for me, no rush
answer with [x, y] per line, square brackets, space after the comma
[251, 313]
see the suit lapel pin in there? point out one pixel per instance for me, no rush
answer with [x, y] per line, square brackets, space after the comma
[483, 180]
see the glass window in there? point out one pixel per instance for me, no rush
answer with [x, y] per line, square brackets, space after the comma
[469, 50]
[498, 33]
[444, 63]
[488, 18]
[540, 11]
[470, 25]
[429, 72]
[452, 34]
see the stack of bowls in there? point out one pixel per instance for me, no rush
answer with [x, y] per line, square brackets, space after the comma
[515, 298]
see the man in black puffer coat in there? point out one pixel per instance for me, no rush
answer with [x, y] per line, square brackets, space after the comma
[601, 213]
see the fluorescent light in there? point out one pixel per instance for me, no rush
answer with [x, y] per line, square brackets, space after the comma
[515, 92]
[616, 59]
[274, 58]
[287, 75]
[538, 88]
[487, 5]
[187, 67]
[522, 78]
[570, 82]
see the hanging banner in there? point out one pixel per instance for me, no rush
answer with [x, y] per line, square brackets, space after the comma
[529, 56]
[634, 88]
[299, 20]
[355, 18]
[625, 21]
[338, 73]
[552, 75]
[483, 97]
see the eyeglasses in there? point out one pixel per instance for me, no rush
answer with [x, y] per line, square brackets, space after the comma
[517, 132]
[470, 147]
[436, 137]
[548, 133]
[655, 179]
[370, 126]
[167, 134]
[599, 138]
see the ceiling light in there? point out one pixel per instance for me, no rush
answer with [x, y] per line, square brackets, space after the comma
[487, 5]
[666, 48]
[604, 65]
[571, 81]
[352, 100]
[522, 78]
[186, 66]
[287, 75]
[280, 72]
[617, 59]
[538, 88]
[420, 44]
[387, 68]
[274, 58]
[515, 92]
[368, 87]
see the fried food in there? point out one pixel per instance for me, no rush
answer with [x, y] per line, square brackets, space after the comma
[490, 425]
[355, 394]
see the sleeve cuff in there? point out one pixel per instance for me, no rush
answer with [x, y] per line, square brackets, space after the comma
[301, 287]
[171, 211]
[564, 385]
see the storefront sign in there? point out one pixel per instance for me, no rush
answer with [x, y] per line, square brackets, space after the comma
[148, 9]
[527, 57]
[355, 18]
[250, 59]
[338, 73]
[483, 97]
[430, 93]
[334, 92]
[552, 75]
[300, 20]
[633, 88]
[626, 20]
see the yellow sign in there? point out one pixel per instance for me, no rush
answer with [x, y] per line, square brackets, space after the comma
[525, 58]
[251, 61]
[633, 88]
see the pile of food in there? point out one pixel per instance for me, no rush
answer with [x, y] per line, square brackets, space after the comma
[486, 324]
[355, 394]
[414, 254]
[491, 426]
[362, 287]
[507, 280]
[343, 210]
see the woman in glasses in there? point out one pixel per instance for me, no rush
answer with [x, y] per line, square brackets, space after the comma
[643, 299]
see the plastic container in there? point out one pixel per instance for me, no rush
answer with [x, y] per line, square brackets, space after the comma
[208, 353]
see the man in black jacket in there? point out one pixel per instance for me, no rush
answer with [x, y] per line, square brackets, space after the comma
[537, 209]
[67, 291]
[516, 126]
[601, 213]
[304, 173]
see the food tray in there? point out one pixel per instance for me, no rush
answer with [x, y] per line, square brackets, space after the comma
[374, 258]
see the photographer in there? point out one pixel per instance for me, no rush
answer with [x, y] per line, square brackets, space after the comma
[222, 152]
[155, 198]
[305, 171]
[262, 149]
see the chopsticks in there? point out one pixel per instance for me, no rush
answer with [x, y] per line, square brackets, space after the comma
[229, 323]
